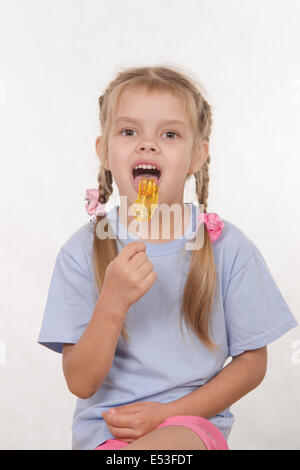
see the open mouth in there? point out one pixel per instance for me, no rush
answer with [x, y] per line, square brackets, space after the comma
[146, 173]
[139, 173]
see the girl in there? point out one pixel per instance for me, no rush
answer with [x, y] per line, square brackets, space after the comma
[118, 300]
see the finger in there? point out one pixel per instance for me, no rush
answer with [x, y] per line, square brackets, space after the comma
[122, 433]
[129, 408]
[146, 269]
[131, 249]
[118, 420]
[147, 282]
[139, 259]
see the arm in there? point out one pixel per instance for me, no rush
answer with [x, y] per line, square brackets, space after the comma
[244, 373]
[87, 363]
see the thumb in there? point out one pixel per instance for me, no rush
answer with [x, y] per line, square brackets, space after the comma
[130, 408]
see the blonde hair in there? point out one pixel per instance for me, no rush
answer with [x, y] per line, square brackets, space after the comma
[199, 290]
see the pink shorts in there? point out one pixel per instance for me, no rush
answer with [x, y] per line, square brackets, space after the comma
[208, 432]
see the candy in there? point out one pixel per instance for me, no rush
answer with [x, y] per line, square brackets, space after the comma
[145, 204]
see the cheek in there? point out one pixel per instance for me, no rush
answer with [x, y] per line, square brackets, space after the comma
[178, 167]
[119, 158]
[121, 150]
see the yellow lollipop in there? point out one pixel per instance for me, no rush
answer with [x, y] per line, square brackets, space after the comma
[145, 204]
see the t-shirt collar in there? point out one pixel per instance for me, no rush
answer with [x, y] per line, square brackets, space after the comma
[155, 249]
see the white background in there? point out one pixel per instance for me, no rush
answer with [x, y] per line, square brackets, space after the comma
[57, 57]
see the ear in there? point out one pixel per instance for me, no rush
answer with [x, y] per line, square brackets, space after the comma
[105, 163]
[199, 157]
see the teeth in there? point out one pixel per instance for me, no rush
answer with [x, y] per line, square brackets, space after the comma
[146, 167]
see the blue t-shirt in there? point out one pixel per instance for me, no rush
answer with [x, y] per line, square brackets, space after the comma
[163, 362]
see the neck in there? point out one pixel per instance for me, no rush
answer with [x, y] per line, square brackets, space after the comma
[164, 225]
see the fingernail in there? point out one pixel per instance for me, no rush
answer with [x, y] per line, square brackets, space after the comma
[112, 410]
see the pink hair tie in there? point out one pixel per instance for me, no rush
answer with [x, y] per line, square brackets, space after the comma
[93, 206]
[214, 224]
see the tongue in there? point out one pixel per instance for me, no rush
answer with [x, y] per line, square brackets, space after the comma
[137, 180]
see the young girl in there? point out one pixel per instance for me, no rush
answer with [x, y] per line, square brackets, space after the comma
[145, 323]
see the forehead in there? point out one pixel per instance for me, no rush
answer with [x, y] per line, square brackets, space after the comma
[141, 104]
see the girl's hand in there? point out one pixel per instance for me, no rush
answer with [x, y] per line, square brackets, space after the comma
[128, 277]
[129, 422]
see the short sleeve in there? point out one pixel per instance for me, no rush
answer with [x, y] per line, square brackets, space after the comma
[70, 302]
[255, 311]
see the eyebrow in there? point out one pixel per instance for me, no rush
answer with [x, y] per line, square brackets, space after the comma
[165, 121]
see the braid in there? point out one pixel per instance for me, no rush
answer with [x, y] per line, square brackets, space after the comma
[105, 187]
[202, 176]
[105, 179]
[202, 182]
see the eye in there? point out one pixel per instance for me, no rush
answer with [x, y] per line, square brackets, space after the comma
[170, 132]
[167, 132]
[125, 130]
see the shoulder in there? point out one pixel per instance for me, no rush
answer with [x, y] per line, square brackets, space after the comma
[79, 246]
[82, 236]
[233, 248]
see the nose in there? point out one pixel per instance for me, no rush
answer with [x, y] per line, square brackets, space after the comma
[148, 147]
